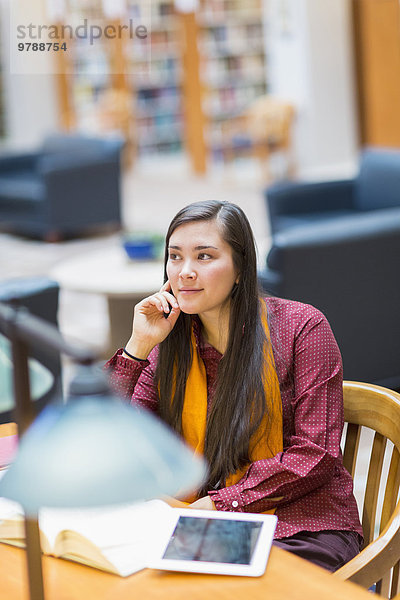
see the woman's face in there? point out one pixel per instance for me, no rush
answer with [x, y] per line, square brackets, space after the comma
[200, 268]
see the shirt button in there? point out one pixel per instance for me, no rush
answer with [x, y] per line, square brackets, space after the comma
[235, 504]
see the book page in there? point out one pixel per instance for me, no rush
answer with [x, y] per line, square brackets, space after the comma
[10, 509]
[124, 534]
[104, 526]
[12, 525]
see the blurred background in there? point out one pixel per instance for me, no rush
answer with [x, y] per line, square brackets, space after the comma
[223, 99]
[289, 108]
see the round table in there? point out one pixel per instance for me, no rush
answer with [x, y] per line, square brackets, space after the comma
[124, 282]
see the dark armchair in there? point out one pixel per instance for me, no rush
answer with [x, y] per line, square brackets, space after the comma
[70, 185]
[349, 268]
[40, 296]
[376, 187]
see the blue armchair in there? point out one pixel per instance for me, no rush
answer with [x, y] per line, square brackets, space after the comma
[70, 185]
[349, 268]
[376, 187]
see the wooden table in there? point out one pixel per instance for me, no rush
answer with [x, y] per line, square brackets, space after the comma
[8, 429]
[287, 577]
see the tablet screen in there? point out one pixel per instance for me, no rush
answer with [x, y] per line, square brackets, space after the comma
[213, 540]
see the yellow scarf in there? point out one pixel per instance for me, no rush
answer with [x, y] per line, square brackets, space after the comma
[194, 415]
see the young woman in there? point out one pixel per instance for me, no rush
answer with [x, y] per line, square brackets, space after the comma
[253, 383]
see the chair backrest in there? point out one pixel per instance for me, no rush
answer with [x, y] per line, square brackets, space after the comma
[71, 143]
[349, 269]
[378, 183]
[270, 119]
[378, 409]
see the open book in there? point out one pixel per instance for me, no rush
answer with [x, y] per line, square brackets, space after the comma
[115, 539]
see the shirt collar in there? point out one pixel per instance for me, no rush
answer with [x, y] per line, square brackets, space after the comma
[201, 344]
[196, 324]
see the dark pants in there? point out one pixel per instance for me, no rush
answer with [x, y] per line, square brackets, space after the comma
[327, 549]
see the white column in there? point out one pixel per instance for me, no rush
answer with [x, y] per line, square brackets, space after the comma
[30, 100]
[310, 62]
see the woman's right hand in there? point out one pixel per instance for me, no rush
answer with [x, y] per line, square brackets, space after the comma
[150, 326]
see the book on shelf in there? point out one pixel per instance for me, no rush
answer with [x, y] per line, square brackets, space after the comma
[116, 539]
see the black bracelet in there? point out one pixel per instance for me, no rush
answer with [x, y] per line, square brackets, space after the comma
[134, 357]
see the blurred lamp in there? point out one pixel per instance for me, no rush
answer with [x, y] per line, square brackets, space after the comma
[94, 450]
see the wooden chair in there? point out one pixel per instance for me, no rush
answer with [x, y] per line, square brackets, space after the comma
[114, 113]
[264, 128]
[378, 408]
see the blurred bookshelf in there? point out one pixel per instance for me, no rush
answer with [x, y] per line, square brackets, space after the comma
[233, 70]
[158, 98]
[232, 74]
[89, 68]
[147, 107]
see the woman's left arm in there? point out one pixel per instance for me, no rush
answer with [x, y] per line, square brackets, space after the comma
[313, 448]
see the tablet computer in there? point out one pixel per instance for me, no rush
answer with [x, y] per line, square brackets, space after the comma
[224, 543]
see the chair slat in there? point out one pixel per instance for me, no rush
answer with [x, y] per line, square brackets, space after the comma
[351, 447]
[391, 490]
[395, 580]
[378, 408]
[372, 489]
[385, 587]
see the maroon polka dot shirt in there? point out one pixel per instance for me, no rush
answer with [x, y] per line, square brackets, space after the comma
[315, 490]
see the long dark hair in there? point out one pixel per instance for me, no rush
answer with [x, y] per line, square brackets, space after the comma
[240, 401]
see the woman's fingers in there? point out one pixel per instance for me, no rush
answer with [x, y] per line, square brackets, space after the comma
[162, 301]
[158, 301]
[166, 287]
[171, 299]
[149, 326]
[172, 317]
